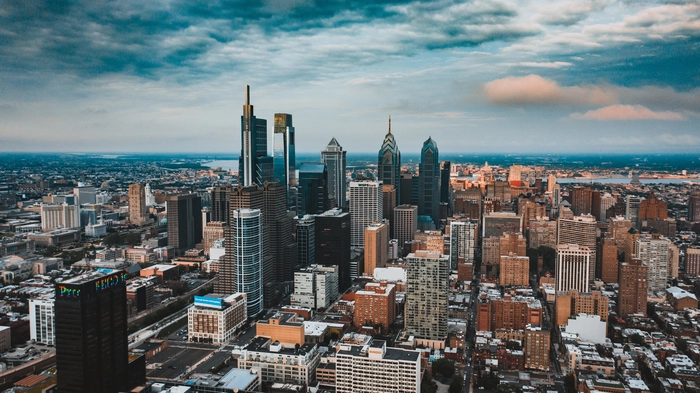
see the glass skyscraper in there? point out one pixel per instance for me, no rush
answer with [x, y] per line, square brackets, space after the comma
[248, 256]
[429, 175]
[312, 189]
[334, 158]
[389, 164]
[284, 154]
[254, 165]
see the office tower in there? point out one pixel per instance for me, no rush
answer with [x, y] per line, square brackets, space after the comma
[375, 305]
[536, 348]
[42, 327]
[220, 201]
[284, 155]
[581, 200]
[150, 199]
[551, 182]
[542, 232]
[653, 251]
[694, 206]
[429, 177]
[334, 158]
[376, 246]
[376, 368]
[91, 333]
[84, 194]
[427, 288]
[389, 165]
[365, 208]
[408, 195]
[619, 228]
[579, 230]
[606, 202]
[514, 270]
[632, 209]
[445, 188]
[59, 216]
[633, 288]
[213, 231]
[498, 222]
[254, 166]
[137, 204]
[653, 208]
[572, 269]
[609, 265]
[247, 250]
[315, 286]
[312, 189]
[388, 205]
[405, 223]
[280, 226]
[184, 221]
[463, 242]
[692, 261]
[333, 244]
[467, 203]
[572, 303]
[306, 241]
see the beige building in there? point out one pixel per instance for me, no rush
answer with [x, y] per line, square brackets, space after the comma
[427, 289]
[542, 232]
[405, 223]
[571, 268]
[212, 231]
[215, 318]
[278, 364]
[580, 230]
[514, 270]
[571, 303]
[283, 327]
[376, 246]
[137, 204]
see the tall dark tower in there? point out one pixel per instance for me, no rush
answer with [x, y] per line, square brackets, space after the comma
[334, 158]
[313, 189]
[254, 165]
[284, 153]
[184, 221]
[429, 175]
[389, 164]
[91, 333]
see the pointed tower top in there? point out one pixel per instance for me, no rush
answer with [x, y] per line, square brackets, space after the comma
[389, 124]
[247, 94]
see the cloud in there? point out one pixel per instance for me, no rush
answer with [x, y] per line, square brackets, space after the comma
[568, 13]
[550, 64]
[626, 112]
[536, 90]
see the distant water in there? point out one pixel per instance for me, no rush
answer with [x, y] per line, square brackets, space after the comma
[623, 180]
[223, 164]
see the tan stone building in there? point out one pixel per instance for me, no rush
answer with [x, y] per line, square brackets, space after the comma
[282, 327]
[571, 303]
[376, 246]
[514, 270]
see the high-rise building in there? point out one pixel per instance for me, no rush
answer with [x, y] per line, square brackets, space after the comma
[609, 265]
[41, 320]
[467, 203]
[692, 261]
[247, 250]
[59, 216]
[306, 241]
[632, 209]
[571, 303]
[376, 246]
[213, 231]
[536, 348]
[496, 223]
[137, 204]
[377, 369]
[91, 333]
[653, 251]
[653, 208]
[579, 230]
[334, 158]
[405, 223]
[284, 156]
[254, 166]
[572, 269]
[184, 221]
[427, 289]
[606, 202]
[365, 208]
[389, 164]
[542, 232]
[280, 226]
[312, 189]
[84, 194]
[333, 244]
[220, 202]
[694, 206]
[445, 188]
[463, 241]
[375, 305]
[429, 176]
[551, 182]
[633, 289]
[619, 227]
[315, 286]
[150, 199]
[514, 270]
[388, 205]
[581, 200]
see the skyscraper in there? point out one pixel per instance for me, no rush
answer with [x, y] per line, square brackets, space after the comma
[184, 221]
[609, 266]
[306, 241]
[376, 246]
[247, 227]
[91, 333]
[365, 208]
[333, 244]
[137, 204]
[405, 223]
[579, 230]
[463, 242]
[284, 153]
[427, 289]
[445, 170]
[694, 206]
[429, 175]
[633, 288]
[334, 158]
[254, 166]
[572, 268]
[220, 201]
[389, 164]
[312, 189]
[654, 253]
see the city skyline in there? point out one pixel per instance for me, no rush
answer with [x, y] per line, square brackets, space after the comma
[489, 76]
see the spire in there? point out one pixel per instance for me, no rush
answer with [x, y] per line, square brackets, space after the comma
[247, 94]
[389, 124]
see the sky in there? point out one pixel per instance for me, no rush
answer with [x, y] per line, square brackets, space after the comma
[527, 76]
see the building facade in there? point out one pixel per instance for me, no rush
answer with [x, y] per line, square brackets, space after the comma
[633, 289]
[184, 221]
[41, 320]
[376, 246]
[215, 318]
[284, 156]
[334, 158]
[375, 305]
[427, 288]
[405, 223]
[377, 369]
[429, 178]
[247, 249]
[389, 164]
[572, 269]
[365, 208]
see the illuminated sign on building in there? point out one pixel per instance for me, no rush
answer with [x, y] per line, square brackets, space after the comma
[211, 302]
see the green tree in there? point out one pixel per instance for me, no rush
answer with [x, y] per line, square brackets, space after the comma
[111, 240]
[427, 385]
[514, 345]
[455, 385]
[443, 368]
[570, 383]
[132, 238]
[637, 339]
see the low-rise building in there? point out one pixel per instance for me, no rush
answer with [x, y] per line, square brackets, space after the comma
[279, 364]
[215, 318]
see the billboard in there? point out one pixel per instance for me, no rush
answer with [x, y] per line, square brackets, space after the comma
[211, 302]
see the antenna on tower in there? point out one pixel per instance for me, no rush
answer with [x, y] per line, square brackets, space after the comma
[247, 94]
[389, 124]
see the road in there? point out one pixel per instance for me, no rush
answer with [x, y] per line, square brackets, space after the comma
[467, 371]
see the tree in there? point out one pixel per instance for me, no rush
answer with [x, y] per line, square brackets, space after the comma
[637, 339]
[427, 385]
[443, 368]
[455, 385]
[513, 345]
[570, 383]
[113, 239]
[132, 238]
